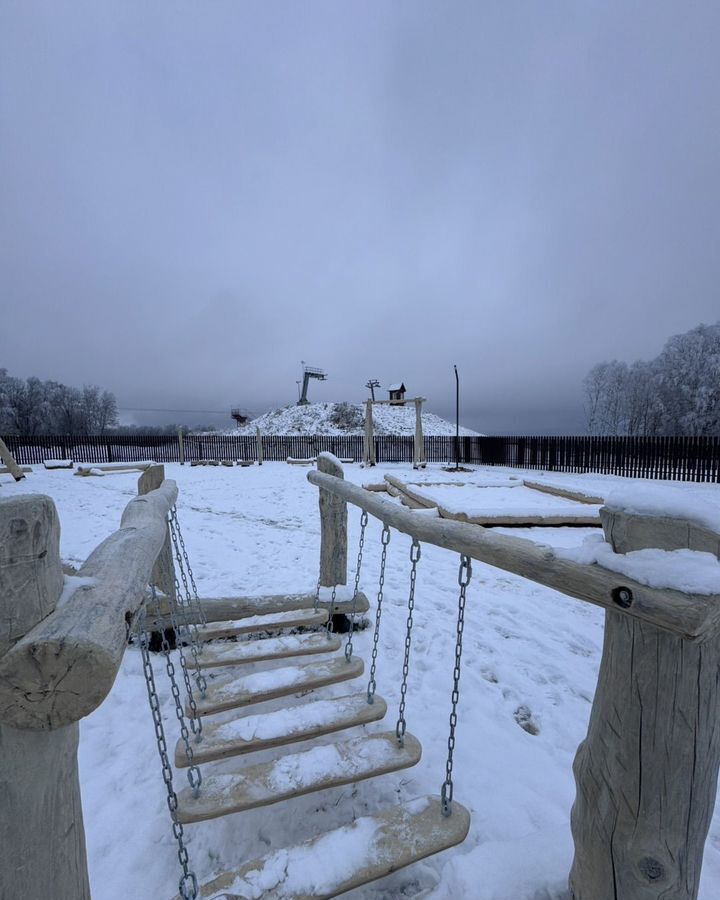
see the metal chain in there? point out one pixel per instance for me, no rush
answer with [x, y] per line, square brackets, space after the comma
[188, 884]
[198, 604]
[195, 719]
[182, 607]
[194, 774]
[186, 600]
[349, 644]
[331, 613]
[372, 685]
[317, 596]
[464, 577]
[401, 724]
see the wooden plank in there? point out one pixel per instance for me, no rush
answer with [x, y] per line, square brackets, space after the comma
[300, 722]
[386, 842]
[249, 624]
[326, 766]
[229, 691]
[692, 616]
[221, 609]
[236, 653]
[563, 492]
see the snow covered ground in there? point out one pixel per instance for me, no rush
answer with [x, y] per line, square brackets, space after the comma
[526, 691]
[326, 418]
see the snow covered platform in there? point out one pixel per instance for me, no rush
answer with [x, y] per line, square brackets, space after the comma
[307, 618]
[487, 505]
[231, 691]
[340, 860]
[288, 645]
[300, 722]
[295, 774]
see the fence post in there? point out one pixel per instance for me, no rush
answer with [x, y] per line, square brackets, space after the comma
[369, 456]
[42, 839]
[333, 527]
[258, 439]
[647, 771]
[181, 445]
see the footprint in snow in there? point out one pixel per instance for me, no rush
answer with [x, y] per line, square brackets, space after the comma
[524, 717]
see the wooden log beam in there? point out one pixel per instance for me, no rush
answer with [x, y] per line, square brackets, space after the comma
[63, 668]
[163, 573]
[693, 617]
[647, 772]
[333, 526]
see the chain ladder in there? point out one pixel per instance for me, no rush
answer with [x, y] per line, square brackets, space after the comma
[401, 724]
[196, 598]
[349, 644]
[372, 685]
[188, 885]
[464, 576]
[317, 596]
[195, 719]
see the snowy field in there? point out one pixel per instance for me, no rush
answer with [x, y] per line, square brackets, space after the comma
[530, 666]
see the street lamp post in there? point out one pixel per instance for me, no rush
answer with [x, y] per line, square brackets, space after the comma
[457, 419]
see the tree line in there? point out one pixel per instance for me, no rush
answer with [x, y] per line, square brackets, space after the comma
[34, 407]
[677, 393]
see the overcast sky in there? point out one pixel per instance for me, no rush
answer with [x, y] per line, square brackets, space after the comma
[196, 196]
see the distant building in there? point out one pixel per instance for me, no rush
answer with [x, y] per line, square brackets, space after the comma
[397, 394]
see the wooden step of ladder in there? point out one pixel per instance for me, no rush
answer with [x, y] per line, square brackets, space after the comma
[300, 722]
[222, 609]
[293, 618]
[237, 653]
[229, 690]
[376, 846]
[295, 774]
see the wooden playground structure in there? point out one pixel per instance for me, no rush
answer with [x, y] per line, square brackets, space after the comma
[646, 774]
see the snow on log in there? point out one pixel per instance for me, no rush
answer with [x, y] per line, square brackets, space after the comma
[693, 617]
[58, 463]
[64, 667]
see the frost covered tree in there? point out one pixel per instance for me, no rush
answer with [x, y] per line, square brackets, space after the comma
[677, 393]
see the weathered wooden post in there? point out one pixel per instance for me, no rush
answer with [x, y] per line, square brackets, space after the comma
[419, 460]
[258, 439]
[369, 443]
[333, 527]
[647, 772]
[181, 446]
[9, 460]
[42, 840]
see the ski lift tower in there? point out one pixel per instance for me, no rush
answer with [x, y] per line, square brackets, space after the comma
[308, 373]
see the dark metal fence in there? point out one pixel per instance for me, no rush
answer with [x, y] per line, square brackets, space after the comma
[676, 458]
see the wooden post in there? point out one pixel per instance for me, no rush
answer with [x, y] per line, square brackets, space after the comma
[333, 527]
[42, 839]
[163, 573]
[369, 443]
[258, 438]
[9, 460]
[181, 444]
[647, 772]
[419, 461]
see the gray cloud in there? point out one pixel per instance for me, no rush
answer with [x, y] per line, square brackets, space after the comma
[194, 197]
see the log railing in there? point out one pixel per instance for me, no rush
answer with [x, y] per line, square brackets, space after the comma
[61, 644]
[647, 772]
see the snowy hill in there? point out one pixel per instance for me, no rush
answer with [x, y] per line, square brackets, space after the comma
[346, 418]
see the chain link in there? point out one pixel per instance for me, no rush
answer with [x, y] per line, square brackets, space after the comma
[195, 719]
[317, 596]
[331, 613]
[464, 576]
[372, 685]
[182, 607]
[188, 885]
[196, 598]
[401, 724]
[349, 644]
